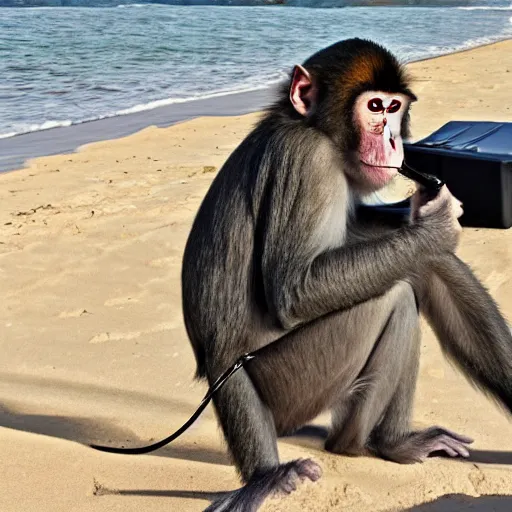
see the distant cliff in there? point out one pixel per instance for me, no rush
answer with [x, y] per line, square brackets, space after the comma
[291, 3]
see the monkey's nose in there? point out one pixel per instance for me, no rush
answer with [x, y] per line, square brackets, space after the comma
[385, 121]
[388, 136]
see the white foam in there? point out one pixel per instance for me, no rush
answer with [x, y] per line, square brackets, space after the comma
[171, 101]
[136, 6]
[7, 135]
[437, 51]
[485, 8]
[46, 125]
[28, 128]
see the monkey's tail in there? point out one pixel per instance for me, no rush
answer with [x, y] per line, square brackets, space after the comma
[204, 402]
[471, 330]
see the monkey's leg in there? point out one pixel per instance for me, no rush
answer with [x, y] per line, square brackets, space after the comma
[365, 357]
[388, 380]
[251, 436]
[365, 362]
[316, 365]
[378, 411]
[473, 333]
[295, 377]
[393, 439]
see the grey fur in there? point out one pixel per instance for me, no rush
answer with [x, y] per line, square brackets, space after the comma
[280, 260]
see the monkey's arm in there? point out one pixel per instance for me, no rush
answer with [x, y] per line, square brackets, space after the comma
[301, 286]
[467, 321]
[470, 328]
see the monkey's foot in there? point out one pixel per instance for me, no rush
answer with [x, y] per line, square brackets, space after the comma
[417, 446]
[278, 481]
[286, 476]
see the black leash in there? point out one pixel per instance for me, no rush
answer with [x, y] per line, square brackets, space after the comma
[205, 401]
[431, 183]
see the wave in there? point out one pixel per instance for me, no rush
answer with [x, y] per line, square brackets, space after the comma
[142, 107]
[436, 51]
[171, 101]
[137, 6]
[28, 128]
[485, 8]
[429, 52]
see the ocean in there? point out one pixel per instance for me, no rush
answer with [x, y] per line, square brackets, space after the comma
[63, 66]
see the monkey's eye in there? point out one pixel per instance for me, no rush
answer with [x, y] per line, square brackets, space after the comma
[394, 107]
[375, 105]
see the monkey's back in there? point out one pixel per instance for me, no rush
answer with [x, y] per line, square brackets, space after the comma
[220, 267]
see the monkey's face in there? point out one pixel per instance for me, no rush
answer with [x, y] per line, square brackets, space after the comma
[378, 118]
[368, 131]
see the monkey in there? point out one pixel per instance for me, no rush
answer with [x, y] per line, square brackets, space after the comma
[281, 261]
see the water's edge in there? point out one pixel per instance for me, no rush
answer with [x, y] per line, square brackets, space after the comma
[15, 151]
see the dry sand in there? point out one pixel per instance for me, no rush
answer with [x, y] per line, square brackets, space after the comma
[94, 348]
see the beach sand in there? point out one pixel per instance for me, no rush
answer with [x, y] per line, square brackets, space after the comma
[94, 348]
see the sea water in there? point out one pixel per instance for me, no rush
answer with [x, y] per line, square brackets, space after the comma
[60, 66]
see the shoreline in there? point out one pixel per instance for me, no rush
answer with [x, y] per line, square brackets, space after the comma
[16, 151]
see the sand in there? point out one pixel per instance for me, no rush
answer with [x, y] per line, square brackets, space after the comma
[94, 348]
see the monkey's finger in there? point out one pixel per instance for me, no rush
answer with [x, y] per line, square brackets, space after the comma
[442, 447]
[458, 437]
[289, 488]
[459, 448]
[463, 451]
[454, 445]
[293, 477]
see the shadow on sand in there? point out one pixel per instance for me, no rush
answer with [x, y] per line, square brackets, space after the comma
[87, 431]
[195, 495]
[463, 503]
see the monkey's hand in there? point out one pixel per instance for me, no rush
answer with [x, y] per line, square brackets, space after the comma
[438, 218]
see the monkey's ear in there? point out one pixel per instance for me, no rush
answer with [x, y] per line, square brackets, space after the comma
[302, 91]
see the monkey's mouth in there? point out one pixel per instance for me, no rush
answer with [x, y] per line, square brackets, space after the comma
[380, 156]
[378, 166]
[378, 175]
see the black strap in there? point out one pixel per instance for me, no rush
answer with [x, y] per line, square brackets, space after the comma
[204, 402]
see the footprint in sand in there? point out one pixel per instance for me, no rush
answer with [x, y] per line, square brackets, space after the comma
[114, 336]
[125, 336]
[74, 314]
[120, 301]
[163, 262]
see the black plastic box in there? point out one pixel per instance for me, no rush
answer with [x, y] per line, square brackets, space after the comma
[475, 161]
